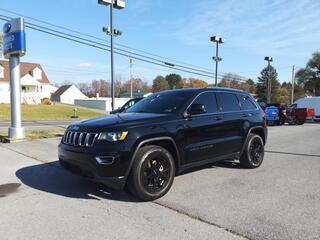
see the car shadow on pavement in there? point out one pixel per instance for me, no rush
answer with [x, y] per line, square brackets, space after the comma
[51, 178]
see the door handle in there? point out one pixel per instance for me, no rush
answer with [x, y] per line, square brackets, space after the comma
[247, 115]
[218, 118]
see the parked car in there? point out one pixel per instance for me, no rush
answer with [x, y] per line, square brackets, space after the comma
[298, 116]
[311, 103]
[162, 135]
[282, 107]
[128, 104]
[272, 115]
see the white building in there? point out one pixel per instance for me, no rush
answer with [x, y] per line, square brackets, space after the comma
[34, 83]
[67, 94]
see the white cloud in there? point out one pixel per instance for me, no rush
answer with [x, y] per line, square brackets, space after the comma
[281, 27]
[85, 65]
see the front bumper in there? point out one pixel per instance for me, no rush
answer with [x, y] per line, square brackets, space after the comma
[85, 164]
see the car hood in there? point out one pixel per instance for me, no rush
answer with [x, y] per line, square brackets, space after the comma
[119, 121]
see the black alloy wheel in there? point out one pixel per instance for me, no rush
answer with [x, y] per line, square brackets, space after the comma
[155, 174]
[152, 173]
[256, 151]
[253, 154]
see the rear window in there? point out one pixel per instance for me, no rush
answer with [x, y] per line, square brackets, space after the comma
[246, 103]
[229, 102]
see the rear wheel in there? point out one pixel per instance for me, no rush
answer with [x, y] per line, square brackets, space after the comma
[300, 122]
[253, 154]
[152, 173]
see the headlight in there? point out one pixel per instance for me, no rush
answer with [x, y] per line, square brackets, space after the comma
[113, 136]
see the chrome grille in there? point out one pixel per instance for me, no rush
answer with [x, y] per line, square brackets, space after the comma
[81, 139]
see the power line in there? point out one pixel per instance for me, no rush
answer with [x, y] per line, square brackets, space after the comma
[94, 37]
[105, 47]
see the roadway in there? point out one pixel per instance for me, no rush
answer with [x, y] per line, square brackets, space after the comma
[38, 125]
[279, 200]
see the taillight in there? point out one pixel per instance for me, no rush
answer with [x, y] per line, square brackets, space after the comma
[284, 112]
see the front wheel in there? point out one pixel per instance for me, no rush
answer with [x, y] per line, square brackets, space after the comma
[152, 173]
[253, 153]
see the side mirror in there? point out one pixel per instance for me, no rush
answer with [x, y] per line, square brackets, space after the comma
[197, 108]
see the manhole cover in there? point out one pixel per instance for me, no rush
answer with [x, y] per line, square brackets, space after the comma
[8, 188]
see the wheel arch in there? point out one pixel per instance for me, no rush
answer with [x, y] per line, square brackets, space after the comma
[256, 130]
[259, 131]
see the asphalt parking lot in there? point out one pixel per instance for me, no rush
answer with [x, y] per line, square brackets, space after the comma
[279, 200]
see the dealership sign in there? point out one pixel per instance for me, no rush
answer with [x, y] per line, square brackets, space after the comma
[14, 39]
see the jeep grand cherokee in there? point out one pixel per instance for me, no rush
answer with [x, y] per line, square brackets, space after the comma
[163, 135]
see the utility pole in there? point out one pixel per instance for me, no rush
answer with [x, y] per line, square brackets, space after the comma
[131, 65]
[292, 84]
[217, 59]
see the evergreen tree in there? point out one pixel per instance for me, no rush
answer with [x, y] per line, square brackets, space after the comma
[309, 77]
[159, 84]
[262, 84]
[174, 80]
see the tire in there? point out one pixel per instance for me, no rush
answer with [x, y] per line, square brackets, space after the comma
[253, 154]
[270, 123]
[293, 121]
[152, 173]
[300, 122]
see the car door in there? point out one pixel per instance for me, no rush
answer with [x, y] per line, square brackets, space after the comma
[250, 112]
[231, 132]
[201, 132]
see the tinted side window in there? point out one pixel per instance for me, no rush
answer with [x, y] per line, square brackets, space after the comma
[128, 104]
[208, 99]
[229, 102]
[246, 103]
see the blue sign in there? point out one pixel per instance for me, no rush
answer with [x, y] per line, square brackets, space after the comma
[14, 43]
[14, 39]
[7, 28]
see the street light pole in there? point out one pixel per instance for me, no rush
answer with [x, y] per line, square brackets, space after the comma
[217, 59]
[118, 4]
[269, 59]
[112, 56]
[269, 84]
[216, 75]
[131, 63]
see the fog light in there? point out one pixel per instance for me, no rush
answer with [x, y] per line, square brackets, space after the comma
[105, 160]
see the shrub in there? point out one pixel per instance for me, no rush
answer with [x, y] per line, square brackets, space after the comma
[46, 101]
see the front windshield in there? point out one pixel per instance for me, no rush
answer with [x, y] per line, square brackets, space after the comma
[165, 102]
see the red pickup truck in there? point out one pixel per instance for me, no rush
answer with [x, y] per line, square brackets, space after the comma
[299, 115]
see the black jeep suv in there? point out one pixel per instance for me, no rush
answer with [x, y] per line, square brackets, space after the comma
[165, 134]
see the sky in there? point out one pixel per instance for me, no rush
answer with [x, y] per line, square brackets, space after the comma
[289, 31]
